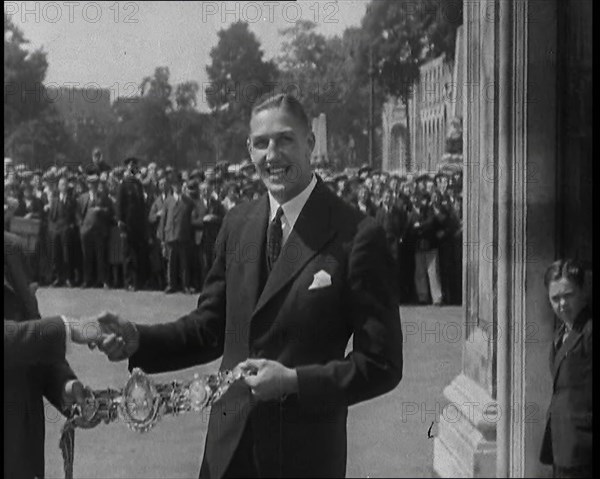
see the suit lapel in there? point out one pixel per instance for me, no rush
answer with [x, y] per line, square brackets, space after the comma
[252, 248]
[310, 233]
[572, 339]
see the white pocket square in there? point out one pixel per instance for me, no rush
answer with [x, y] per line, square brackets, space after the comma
[322, 279]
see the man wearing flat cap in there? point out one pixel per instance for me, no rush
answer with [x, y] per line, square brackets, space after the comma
[94, 212]
[131, 220]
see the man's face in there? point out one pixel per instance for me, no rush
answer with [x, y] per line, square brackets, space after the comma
[387, 198]
[363, 194]
[280, 147]
[442, 183]
[162, 185]
[204, 192]
[62, 185]
[232, 194]
[97, 156]
[567, 299]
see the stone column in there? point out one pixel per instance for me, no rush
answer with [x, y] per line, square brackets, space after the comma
[494, 422]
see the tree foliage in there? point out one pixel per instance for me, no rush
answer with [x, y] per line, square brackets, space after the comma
[33, 131]
[321, 72]
[238, 76]
[402, 34]
[150, 127]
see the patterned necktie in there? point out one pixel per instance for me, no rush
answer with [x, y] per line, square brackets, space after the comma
[274, 239]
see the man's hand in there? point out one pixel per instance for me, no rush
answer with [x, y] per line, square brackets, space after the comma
[88, 330]
[269, 380]
[77, 393]
[120, 337]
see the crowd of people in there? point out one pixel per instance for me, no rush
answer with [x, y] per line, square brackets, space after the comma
[147, 227]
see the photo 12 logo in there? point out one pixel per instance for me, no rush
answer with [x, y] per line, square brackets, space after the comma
[89, 12]
[253, 12]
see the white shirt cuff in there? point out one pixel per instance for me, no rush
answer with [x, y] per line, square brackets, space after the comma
[68, 340]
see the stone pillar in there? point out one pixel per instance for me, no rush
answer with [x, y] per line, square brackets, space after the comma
[494, 422]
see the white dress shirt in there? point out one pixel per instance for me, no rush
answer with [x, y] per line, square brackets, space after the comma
[291, 209]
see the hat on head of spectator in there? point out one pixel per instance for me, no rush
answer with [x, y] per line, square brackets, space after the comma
[168, 169]
[152, 166]
[93, 178]
[439, 176]
[197, 174]
[365, 168]
[131, 160]
[340, 177]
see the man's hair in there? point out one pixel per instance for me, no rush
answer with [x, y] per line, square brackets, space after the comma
[569, 269]
[282, 100]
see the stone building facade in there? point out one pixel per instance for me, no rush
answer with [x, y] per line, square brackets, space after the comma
[528, 196]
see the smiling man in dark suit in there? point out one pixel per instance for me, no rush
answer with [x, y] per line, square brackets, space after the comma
[296, 274]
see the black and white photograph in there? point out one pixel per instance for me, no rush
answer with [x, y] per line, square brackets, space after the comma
[313, 238]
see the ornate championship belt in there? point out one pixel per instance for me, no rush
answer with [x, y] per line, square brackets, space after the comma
[142, 403]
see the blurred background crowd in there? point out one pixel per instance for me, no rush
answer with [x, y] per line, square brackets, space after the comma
[138, 226]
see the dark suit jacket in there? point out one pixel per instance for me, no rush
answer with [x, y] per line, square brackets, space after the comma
[568, 437]
[35, 207]
[155, 220]
[131, 207]
[178, 219]
[96, 222]
[424, 229]
[391, 222]
[206, 232]
[307, 329]
[62, 216]
[34, 367]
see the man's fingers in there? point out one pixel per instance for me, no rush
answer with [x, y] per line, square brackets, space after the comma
[112, 344]
[251, 381]
[253, 366]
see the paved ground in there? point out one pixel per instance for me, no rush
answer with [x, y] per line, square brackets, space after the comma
[387, 437]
